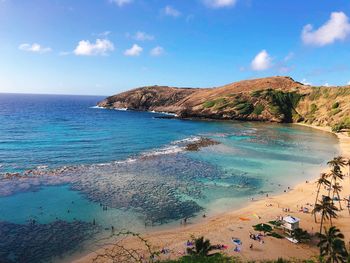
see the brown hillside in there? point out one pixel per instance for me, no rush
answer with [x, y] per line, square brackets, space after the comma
[277, 99]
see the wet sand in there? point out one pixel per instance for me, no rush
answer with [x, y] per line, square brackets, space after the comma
[221, 228]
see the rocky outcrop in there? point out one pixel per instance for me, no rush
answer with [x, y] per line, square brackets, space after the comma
[152, 98]
[202, 142]
[276, 99]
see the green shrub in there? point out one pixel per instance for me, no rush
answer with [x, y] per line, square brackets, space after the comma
[283, 103]
[313, 108]
[208, 104]
[245, 108]
[343, 124]
[301, 235]
[335, 105]
[258, 109]
[275, 223]
[220, 103]
[325, 93]
[335, 111]
[263, 227]
[216, 258]
[256, 93]
[275, 235]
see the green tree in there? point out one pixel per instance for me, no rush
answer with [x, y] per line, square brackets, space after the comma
[327, 210]
[332, 246]
[301, 235]
[201, 247]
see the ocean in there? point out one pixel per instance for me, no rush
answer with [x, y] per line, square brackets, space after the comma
[78, 170]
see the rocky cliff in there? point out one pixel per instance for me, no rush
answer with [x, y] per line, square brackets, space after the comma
[276, 99]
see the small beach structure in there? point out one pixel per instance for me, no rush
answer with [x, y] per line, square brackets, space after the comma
[290, 223]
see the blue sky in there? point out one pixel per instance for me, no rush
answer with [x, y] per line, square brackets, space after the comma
[105, 46]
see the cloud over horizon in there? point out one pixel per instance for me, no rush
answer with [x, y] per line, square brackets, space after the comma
[100, 47]
[336, 28]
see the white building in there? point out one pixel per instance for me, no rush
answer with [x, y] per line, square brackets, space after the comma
[290, 223]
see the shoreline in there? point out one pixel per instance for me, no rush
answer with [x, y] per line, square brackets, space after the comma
[220, 228]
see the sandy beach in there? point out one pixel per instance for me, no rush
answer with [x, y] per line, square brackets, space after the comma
[220, 229]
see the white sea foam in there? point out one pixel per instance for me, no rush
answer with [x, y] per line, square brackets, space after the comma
[173, 148]
[187, 140]
[164, 113]
[97, 107]
[129, 160]
[121, 109]
[164, 151]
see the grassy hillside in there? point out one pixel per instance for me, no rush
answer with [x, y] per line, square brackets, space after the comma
[275, 99]
[327, 106]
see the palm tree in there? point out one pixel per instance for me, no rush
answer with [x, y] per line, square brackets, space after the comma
[321, 181]
[201, 247]
[336, 189]
[335, 174]
[338, 161]
[332, 246]
[327, 210]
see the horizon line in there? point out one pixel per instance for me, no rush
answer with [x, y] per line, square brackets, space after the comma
[53, 94]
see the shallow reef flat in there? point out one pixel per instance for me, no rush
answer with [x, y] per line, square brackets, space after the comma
[161, 188]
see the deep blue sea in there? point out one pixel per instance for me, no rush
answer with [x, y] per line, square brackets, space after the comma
[84, 169]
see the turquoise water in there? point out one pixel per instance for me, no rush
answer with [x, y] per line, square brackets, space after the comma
[89, 169]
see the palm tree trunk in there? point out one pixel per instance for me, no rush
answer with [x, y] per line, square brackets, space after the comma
[339, 200]
[318, 192]
[322, 217]
[330, 187]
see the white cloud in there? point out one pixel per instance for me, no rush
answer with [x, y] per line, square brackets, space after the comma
[326, 84]
[336, 28]
[100, 47]
[36, 48]
[120, 3]
[171, 11]
[135, 50]
[142, 36]
[262, 61]
[305, 82]
[220, 3]
[157, 51]
[348, 83]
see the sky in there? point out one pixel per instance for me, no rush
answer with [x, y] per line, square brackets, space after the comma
[101, 47]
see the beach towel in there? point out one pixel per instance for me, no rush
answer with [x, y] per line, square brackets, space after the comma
[237, 242]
